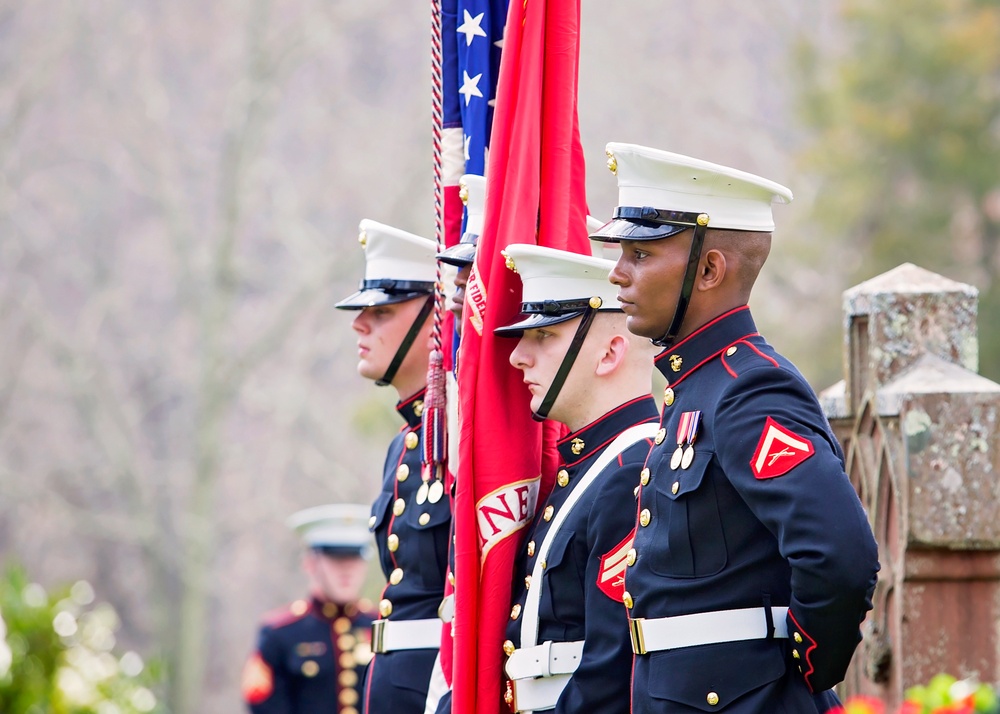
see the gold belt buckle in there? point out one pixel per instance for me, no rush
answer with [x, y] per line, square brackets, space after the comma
[378, 636]
[635, 631]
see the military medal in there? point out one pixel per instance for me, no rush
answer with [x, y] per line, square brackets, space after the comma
[675, 460]
[422, 493]
[687, 429]
[435, 491]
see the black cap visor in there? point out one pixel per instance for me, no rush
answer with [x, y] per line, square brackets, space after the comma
[533, 320]
[371, 297]
[627, 229]
[459, 255]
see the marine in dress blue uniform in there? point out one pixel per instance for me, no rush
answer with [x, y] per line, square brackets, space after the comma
[568, 647]
[753, 563]
[311, 655]
[410, 517]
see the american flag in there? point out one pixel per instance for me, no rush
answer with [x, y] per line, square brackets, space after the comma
[472, 37]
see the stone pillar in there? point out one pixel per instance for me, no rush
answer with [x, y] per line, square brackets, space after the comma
[921, 434]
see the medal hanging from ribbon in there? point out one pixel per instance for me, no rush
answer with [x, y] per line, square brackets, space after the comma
[687, 432]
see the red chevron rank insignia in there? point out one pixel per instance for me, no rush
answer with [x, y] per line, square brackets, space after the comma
[257, 681]
[778, 451]
[611, 579]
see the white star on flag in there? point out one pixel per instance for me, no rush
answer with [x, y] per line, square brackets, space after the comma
[470, 86]
[470, 27]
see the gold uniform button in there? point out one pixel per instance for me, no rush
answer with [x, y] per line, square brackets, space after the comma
[451, 578]
[562, 478]
[542, 564]
[527, 582]
[796, 655]
[398, 507]
[396, 576]
[341, 625]
[515, 612]
[403, 472]
[347, 661]
[731, 351]
[348, 697]
[329, 609]
[348, 710]
[371, 522]
[797, 637]
[712, 699]
[668, 397]
[675, 487]
[508, 648]
[424, 519]
[411, 440]
[630, 558]
[635, 491]
[385, 608]
[531, 549]
[660, 436]
[347, 678]
[644, 477]
[547, 513]
[299, 607]
[347, 642]
[310, 668]
[627, 599]
[392, 542]
[644, 517]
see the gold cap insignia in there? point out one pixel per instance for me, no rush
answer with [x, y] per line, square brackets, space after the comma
[508, 261]
[612, 162]
[463, 193]
[363, 239]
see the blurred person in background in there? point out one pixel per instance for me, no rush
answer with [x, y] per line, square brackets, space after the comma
[411, 517]
[311, 655]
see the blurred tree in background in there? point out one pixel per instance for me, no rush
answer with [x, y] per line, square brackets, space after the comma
[58, 653]
[906, 112]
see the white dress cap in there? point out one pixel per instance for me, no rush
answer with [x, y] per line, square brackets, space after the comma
[335, 527]
[475, 202]
[558, 285]
[732, 199]
[398, 266]
[473, 191]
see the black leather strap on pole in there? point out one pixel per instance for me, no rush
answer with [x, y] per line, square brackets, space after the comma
[694, 256]
[407, 342]
[567, 364]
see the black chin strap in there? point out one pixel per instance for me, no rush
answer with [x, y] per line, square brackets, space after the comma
[407, 342]
[567, 364]
[697, 241]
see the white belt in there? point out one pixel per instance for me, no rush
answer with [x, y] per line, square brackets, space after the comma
[539, 674]
[705, 628]
[528, 695]
[391, 635]
[545, 660]
[446, 610]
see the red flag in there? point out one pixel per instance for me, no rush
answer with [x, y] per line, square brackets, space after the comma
[536, 194]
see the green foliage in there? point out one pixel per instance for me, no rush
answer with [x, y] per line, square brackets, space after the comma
[57, 654]
[944, 692]
[906, 122]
